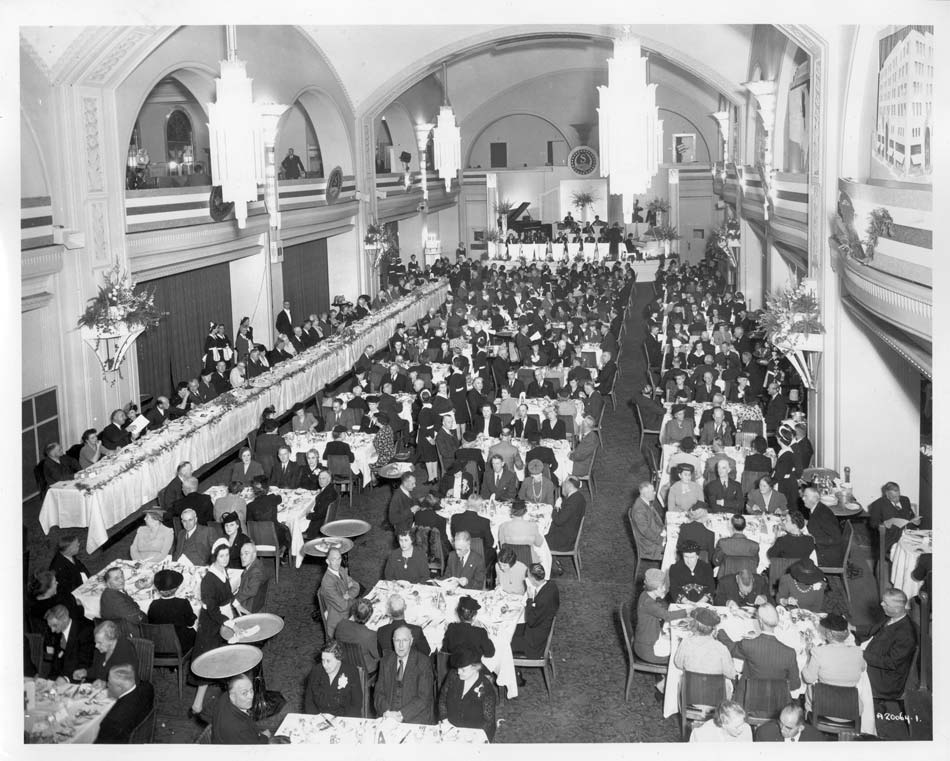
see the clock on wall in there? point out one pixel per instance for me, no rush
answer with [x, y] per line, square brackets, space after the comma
[583, 160]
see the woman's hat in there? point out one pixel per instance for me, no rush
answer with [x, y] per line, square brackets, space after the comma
[339, 429]
[679, 408]
[168, 580]
[806, 572]
[689, 546]
[469, 604]
[688, 467]
[535, 467]
[230, 518]
[835, 622]
[705, 616]
[156, 512]
[464, 656]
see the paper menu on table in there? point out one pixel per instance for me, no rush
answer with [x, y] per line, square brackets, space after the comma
[138, 425]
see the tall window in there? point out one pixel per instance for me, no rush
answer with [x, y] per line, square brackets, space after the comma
[40, 427]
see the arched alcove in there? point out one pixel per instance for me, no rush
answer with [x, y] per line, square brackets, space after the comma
[328, 125]
[402, 133]
[530, 133]
[297, 132]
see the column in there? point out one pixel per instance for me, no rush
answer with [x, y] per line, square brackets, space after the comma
[366, 192]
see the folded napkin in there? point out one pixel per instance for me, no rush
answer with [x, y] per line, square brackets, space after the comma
[240, 634]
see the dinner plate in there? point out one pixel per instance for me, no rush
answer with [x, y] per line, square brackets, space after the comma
[226, 661]
[347, 527]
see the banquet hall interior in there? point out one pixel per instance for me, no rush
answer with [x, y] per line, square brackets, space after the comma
[226, 228]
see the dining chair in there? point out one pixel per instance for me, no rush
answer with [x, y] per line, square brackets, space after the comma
[644, 432]
[762, 699]
[145, 658]
[842, 570]
[836, 710]
[342, 473]
[575, 552]
[321, 604]
[264, 536]
[546, 660]
[144, 731]
[167, 652]
[698, 696]
[588, 477]
[634, 664]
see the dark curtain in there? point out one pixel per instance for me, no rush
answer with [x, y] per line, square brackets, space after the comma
[306, 279]
[172, 351]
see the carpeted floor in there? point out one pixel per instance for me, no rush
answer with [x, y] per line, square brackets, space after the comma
[586, 703]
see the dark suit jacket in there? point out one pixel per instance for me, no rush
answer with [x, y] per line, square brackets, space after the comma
[414, 700]
[156, 418]
[494, 425]
[525, 429]
[737, 545]
[804, 452]
[459, 635]
[829, 542]
[126, 714]
[197, 548]
[538, 391]
[770, 733]
[765, 658]
[775, 412]
[728, 589]
[505, 490]
[365, 638]
[447, 444]
[113, 437]
[531, 637]
[731, 495]
[384, 637]
[68, 573]
[265, 450]
[231, 726]
[171, 493]
[889, 655]
[566, 522]
[477, 526]
[881, 510]
[648, 523]
[253, 470]
[200, 503]
[283, 324]
[651, 412]
[557, 431]
[473, 570]
[400, 513]
[708, 433]
[115, 605]
[605, 378]
[78, 652]
[289, 479]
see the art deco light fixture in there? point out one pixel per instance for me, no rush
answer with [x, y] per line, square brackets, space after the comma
[631, 133]
[447, 138]
[235, 135]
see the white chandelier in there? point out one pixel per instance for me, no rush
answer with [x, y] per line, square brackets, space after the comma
[631, 134]
[447, 139]
[235, 133]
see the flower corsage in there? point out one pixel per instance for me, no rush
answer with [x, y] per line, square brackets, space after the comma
[341, 684]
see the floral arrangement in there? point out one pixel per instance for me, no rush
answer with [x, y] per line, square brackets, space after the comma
[791, 311]
[665, 232]
[381, 240]
[583, 198]
[118, 302]
[658, 206]
[504, 207]
[880, 222]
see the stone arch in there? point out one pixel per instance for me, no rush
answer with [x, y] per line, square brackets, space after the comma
[325, 115]
[402, 131]
[484, 128]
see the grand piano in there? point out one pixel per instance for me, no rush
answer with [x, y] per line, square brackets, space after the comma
[534, 226]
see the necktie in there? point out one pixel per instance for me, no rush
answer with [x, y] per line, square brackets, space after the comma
[497, 478]
[399, 670]
[725, 483]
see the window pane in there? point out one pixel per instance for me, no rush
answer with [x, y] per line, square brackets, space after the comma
[29, 462]
[46, 405]
[47, 433]
[27, 413]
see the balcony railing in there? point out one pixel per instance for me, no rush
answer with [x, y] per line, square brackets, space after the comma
[36, 222]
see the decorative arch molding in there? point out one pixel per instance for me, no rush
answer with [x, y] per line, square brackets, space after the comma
[106, 56]
[402, 128]
[373, 105]
[336, 148]
[468, 153]
[699, 132]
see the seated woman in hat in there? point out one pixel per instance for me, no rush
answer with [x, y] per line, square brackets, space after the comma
[652, 611]
[333, 686]
[802, 586]
[168, 609]
[699, 654]
[691, 579]
[153, 541]
[467, 632]
[677, 428]
[536, 488]
[467, 699]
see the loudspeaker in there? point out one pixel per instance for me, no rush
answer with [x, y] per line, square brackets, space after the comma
[405, 157]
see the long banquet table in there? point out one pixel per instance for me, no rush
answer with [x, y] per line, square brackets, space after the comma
[106, 493]
[798, 628]
[64, 713]
[433, 608]
[321, 729]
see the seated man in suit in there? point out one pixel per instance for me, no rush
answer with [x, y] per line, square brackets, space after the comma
[336, 446]
[396, 608]
[710, 472]
[607, 373]
[723, 495]
[718, 400]
[285, 474]
[648, 522]
[893, 512]
[115, 436]
[477, 526]
[176, 487]
[540, 387]
[338, 591]
[340, 415]
[737, 546]
[158, 415]
[470, 451]
[744, 588]
[402, 505]
[133, 701]
[523, 425]
[542, 605]
[57, 465]
[116, 604]
[72, 647]
[404, 686]
[464, 564]
[249, 598]
[824, 528]
[231, 721]
[694, 530]
[192, 499]
[890, 650]
[499, 482]
[193, 541]
[651, 409]
[790, 727]
[585, 445]
[566, 520]
[718, 428]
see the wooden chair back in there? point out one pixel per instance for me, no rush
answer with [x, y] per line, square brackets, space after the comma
[144, 732]
[264, 536]
[145, 658]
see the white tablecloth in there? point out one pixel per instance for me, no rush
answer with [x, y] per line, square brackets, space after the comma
[904, 555]
[434, 609]
[119, 484]
[144, 571]
[85, 709]
[303, 728]
[561, 449]
[364, 453]
[703, 453]
[763, 529]
[740, 413]
[499, 512]
[797, 628]
[292, 512]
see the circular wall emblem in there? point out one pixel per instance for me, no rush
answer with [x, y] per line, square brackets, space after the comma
[583, 160]
[334, 185]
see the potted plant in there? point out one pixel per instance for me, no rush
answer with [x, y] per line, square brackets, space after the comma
[791, 322]
[502, 210]
[666, 234]
[116, 316]
[658, 207]
[584, 200]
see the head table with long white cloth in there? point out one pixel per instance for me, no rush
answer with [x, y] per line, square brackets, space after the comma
[323, 729]
[106, 493]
